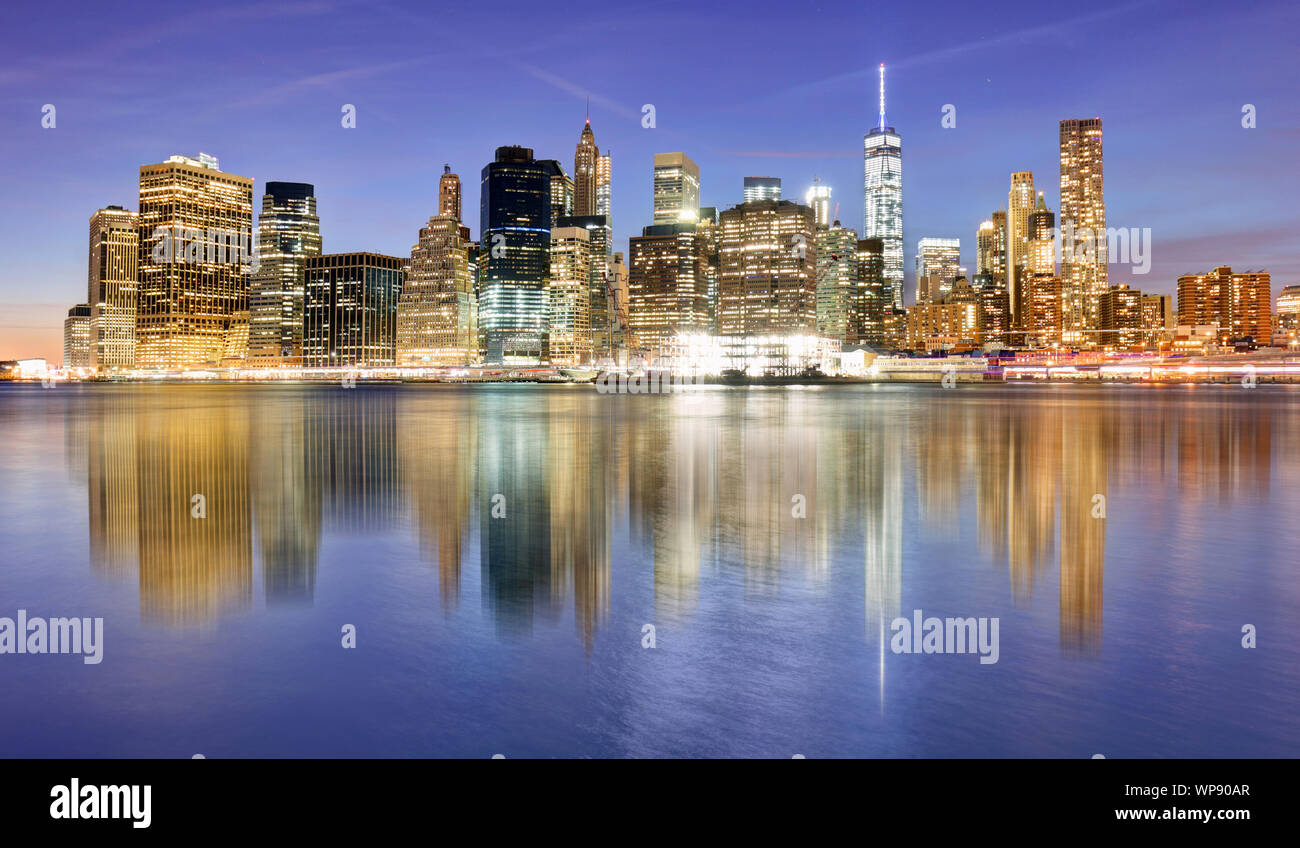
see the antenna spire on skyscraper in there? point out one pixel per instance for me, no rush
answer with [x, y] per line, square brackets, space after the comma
[882, 95]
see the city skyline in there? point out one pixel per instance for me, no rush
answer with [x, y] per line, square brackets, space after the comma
[1158, 133]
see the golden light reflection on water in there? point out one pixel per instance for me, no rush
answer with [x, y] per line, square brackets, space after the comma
[768, 484]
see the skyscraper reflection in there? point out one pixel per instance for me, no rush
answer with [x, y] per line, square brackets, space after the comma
[747, 492]
[286, 506]
[437, 456]
[196, 565]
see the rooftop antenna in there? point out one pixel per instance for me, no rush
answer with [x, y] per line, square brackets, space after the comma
[589, 108]
[882, 95]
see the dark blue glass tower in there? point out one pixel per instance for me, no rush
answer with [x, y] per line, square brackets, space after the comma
[515, 256]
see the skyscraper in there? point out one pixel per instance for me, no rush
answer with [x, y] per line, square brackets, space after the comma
[350, 315]
[586, 173]
[676, 188]
[111, 287]
[288, 232]
[762, 188]
[515, 255]
[600, 240]
[767, 273]
[437, 312]
[883, 195]
[1083, 221]
[1020, 203]
[837, 279]
[938, 264]
[568, 307]
[667, 289]
[871, 319]
[195, 251]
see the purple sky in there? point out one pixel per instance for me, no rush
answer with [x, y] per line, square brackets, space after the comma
[759, 87]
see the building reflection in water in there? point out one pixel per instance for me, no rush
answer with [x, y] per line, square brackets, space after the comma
[286, 502]
[738, 491]
[193, 570]
[438, 446]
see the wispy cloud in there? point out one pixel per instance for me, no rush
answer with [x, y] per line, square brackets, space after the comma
[1043, 33]
[579, 91]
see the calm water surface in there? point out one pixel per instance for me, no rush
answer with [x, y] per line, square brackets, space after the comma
[522, 634]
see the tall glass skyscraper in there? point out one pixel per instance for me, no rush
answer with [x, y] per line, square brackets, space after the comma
[350, 315]
[515, 255]
[883, 195]
[288, 232]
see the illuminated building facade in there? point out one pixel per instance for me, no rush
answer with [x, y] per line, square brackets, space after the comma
[762, 188]
[818, 197]
[938, 264]
[604, 173]
[351, 309]
[1157, 313]
[449, 201]
[600, 240]
[437, 311]
[515, 255]
[112, 272]
[1042, 287]
[1240, 305]
[941, 325]
[76, 337]
[706, 229]
[561, 189]
[667, 287]
[1020, 205]
[767, 271]
[676, 188]
[1288, 308]
[993, 312]
[569, 297]
[991, 248]
[872, 318]
[1083, 213]
[288, 232]
[1121, 318]
[883, 195]
[619, 287]
[837, 280]
[235, 351]
[186, 299]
